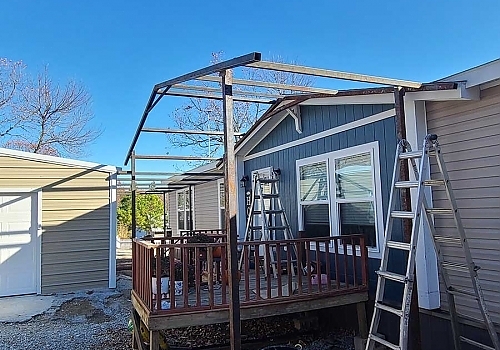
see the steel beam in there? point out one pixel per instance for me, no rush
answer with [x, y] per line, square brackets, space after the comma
[169, 157]
[269, 85]
[213, 97]
[230, 188]
[127, 172]
[193, 132]
[215, 68]
[217, 90]
[134, 219]
[327, 73]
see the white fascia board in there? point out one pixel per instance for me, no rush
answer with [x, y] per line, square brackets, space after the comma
[476, 76]
[57, 160]
[460, 93]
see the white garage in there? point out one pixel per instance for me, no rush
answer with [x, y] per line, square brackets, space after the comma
[57, 224]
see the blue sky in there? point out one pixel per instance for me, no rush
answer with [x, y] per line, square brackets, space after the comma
[120, 49]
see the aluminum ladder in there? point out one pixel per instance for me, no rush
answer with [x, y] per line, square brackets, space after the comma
[404, 153]
[272, 220]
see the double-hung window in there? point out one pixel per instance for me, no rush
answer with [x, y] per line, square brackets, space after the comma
[183, 210]
[339, 194]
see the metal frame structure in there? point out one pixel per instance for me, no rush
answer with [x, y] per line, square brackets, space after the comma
[228, 94]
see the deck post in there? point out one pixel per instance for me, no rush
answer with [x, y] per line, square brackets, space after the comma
[362, 323]
[230, 188]
[154, 340]
[415, 341]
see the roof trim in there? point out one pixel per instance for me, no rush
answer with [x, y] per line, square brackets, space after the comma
[57, 160]
[478, 75]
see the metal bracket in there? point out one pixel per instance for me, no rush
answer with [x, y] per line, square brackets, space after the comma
[294, 112]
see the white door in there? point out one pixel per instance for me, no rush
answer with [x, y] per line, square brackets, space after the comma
[18, 243]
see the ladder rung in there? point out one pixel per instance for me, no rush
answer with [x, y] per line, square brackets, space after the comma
[441, 211]
[406, 184]
[475, 343]
[267, 195]
[458, 291]
[403, 214]
[449, 240]
[398, 245]
[455, 266]
[393, 276]
[434, 182]
[408, 155]
[383, 342]
[390, 309]
[268, 181]
[276, 227]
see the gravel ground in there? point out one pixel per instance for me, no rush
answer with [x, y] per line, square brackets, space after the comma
[98, 320]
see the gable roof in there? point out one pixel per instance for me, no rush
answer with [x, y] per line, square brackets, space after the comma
[475, 76]
[57, 160]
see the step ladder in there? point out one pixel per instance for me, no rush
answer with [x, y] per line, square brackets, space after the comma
[404, 153]
[266, 219]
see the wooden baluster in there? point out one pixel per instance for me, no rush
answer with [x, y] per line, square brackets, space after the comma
[354, 272]
[289, 268]
[210, 266]
[257, 271]
[185, 276]
[364, 261]
[223, 266]
[278, 268]
[337, 268]
[197, 272]
[268, 269]
[327, 259]
[158, 277]
[318, 266]
[346, 263]
[298, 246]
[309, 267]
[246, 259]
[172, 279]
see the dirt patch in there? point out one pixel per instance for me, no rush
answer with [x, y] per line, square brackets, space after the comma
[81, 310]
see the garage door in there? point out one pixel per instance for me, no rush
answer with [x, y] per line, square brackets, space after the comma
[18, 243]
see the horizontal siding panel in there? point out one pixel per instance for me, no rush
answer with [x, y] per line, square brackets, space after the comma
[478, 194]
[458, 116]
[94, 223]
[451, 154]
[66, 288]
[462, 164]
[70, 214]
[489, 97]
[206, 206]
[88, 236]
[77, 267]
[72, 246]
[471, 124]
[77, 194]
[473, 174]
[74, 279]
[81, 255]
[74, 204]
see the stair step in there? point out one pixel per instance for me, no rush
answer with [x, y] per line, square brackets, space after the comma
[475, 343]
[398, 245]
[402, 214]
[410, 155]
[440, 211]
[461, 292]
[448, 240]
[393, 276]
[390, 309]
[384, 342]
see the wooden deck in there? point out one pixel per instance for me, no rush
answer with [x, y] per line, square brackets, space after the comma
[204, 299]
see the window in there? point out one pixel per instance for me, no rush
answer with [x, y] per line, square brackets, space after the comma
[337, 195]
[222, 205]
[184, 210]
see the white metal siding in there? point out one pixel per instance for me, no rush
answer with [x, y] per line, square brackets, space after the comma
[469, 133]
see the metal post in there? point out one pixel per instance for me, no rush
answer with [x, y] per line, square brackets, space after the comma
[164, 214]
[230, 187]
[134, 188]
[414, 341]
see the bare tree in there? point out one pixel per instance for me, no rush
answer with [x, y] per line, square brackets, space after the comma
[11, 74]
[204, 114]
[51, 119]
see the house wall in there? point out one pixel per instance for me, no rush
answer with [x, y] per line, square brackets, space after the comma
[172, 214]
[206, 206]
[316, 119]
[75, 221]
[469, 133]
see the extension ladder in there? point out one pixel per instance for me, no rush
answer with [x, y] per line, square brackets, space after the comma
[266, 220]
[404, 153]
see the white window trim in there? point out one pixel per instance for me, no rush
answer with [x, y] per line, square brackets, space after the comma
[185, 190]
[373, 149]
[112, 231]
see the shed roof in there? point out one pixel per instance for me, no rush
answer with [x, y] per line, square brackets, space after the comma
[57, 160]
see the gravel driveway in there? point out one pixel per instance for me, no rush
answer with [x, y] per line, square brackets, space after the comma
[92, 320]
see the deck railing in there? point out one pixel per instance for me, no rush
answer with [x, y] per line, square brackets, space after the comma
[305, 268]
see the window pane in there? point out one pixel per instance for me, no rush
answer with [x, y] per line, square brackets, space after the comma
[188, 221]
[180, 201]
[316, 220]
[180, 220]
[353, 176]
[313, 182]
[358, 218]
[221, 196]
[188, 200]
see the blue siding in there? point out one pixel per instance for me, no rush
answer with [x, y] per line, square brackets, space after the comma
[316, 119]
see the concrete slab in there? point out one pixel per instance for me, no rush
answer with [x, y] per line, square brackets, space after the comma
[23, 308]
